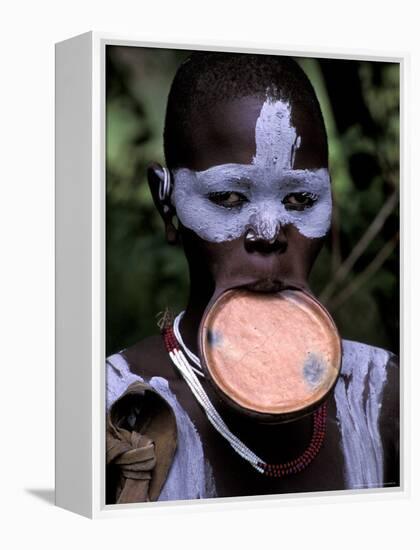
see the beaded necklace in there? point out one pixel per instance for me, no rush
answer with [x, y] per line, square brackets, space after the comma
[178, 352]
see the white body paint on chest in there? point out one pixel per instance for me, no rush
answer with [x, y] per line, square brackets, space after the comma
[265, 183]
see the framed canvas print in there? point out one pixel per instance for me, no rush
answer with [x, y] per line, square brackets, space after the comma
[228, 283]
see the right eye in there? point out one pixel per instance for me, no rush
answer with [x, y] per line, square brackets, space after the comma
[299, 201]
[228, 199]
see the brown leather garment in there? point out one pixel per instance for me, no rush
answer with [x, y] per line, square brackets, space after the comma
[141, 440]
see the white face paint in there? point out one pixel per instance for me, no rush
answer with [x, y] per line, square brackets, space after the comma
[267, 187]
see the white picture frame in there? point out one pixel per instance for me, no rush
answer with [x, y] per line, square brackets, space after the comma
[80, 273]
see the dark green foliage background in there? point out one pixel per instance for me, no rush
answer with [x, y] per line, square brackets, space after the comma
[360, 103]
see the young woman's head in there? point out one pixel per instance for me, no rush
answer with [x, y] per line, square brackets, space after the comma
[246, 147]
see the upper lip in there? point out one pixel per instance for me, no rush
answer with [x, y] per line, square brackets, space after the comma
[265, 285]
[274, 285]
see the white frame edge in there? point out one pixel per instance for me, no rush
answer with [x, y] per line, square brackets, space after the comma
[80, 279]
[73, 203]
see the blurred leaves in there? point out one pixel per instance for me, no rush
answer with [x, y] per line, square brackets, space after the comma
[360, 104]
[357, 274]
[143, 274]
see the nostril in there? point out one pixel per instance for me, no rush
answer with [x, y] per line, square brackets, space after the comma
[256, 243]
[250, 236]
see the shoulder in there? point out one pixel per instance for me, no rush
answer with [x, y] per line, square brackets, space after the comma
[367, 398]
[148, 358]
[144, 360]
[370, 372]
[118, 378]
[363, 365]
[359, 358]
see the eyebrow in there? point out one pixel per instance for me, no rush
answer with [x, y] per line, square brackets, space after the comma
[238, 177]
[303, 177]
[214, 180]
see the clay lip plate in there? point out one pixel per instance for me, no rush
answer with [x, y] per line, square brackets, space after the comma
[271, 353]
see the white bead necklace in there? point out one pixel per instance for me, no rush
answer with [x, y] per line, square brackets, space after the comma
[190, 354]
[189, 373]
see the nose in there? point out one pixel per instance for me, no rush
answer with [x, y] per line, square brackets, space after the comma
[256, 242]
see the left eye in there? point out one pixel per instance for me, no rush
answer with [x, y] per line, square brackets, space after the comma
[299, 201]
[228, 199]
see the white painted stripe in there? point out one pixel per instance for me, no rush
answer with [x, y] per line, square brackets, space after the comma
[358, 396]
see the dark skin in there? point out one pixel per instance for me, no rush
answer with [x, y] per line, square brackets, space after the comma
[228, 136]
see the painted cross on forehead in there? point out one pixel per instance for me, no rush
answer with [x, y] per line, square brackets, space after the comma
[225, 201]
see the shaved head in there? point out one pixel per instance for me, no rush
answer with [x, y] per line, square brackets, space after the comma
[207, 80]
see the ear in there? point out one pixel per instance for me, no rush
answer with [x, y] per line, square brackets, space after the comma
[155, 177]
